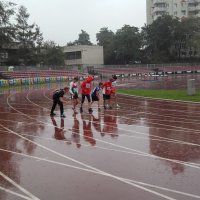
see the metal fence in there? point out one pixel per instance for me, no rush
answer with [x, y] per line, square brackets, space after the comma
[152, 66]
[142, 66]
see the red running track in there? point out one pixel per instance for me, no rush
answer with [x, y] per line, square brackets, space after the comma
[145, 150]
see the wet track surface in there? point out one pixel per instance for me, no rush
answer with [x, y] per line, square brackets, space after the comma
[145, 150]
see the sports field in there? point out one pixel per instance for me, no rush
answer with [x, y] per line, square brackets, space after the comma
[145, 150]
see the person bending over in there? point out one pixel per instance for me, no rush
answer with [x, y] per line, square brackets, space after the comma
[58, 98]
[73, 89]
[96, 94]
[86, 89]
[107, 87]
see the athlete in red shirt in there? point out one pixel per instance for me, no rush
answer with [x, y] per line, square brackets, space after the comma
[107, 88]
[86, 89]
[114, 91]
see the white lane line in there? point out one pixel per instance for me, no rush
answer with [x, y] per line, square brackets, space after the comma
[156, 124]
[18, 186]
[20, 104]
[162, 100]
[158, 108]
[137, 101]
[172, 117]
[14, 193]
[119, 98]
[92, 171]
[92, 168]
[65, 129]
[44, 93]
[150, 113]
[20, 114]
[132, 98]
[133, 152]
[177, 128]
[27, 97]
[137, 132]
[124, 135]
[141, 153]
[173, 127]
[175, 117]
[114, 144]
[150, 120]
[21, 122]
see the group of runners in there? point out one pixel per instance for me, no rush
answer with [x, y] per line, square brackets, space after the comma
[108, 90]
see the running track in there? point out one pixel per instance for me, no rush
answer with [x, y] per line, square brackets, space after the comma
[145, 150]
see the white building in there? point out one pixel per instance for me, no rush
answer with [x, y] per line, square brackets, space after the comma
[83, 56]
[175, 8]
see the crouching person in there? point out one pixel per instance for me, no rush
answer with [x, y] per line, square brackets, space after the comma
[58, 98]
[86, 89]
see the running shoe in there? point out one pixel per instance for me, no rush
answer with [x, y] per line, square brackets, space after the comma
[62, 116]
[81, 109]
[52, 114]
[90, 110]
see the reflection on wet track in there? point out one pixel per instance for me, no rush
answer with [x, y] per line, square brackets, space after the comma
[146, 149]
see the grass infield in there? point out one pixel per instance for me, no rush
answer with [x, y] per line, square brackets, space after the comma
[162, 94]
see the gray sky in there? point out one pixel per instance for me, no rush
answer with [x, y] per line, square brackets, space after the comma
[62, 20]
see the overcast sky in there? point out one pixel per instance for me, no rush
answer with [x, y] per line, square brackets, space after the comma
[62, 20]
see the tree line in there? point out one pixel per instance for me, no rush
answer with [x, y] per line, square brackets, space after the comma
[27, 39]
[166, 40]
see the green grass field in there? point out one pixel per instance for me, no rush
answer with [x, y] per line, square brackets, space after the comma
[162, 94]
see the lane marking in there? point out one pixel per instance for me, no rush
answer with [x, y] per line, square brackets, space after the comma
[108, 142]
[121, 135]
[91, 171]
[90, 167]
[14, 193]
[159, 99]
[18, 186]
[134, 152]
[152, 123]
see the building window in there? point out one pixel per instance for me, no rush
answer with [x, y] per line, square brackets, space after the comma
[4, 55]
[73, 55]
[183, 12]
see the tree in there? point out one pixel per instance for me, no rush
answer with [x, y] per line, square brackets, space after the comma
[39, 42]
[6, 28]
[52, 54]
[105, 38]
[185, 38]
[158, 39]
[83, 39]
[27, 36]
[196, 43]
[127, 44]
[168, 39]
[71, 43]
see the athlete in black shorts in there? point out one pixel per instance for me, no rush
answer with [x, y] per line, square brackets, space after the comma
[58, 99]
